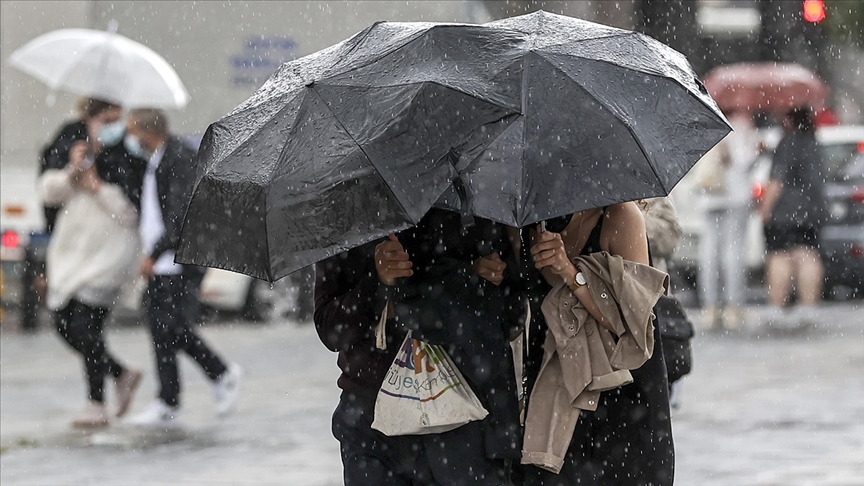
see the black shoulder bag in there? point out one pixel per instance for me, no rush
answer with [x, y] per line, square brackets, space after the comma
[676, 331]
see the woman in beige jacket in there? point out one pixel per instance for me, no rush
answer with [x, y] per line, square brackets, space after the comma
[627, 438]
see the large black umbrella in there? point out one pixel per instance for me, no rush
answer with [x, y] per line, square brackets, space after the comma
[606, 116]
[358, 140]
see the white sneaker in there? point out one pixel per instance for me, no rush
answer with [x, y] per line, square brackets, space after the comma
[226, 389]
[158, 415]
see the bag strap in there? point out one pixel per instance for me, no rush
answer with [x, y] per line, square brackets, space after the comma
[381, 328]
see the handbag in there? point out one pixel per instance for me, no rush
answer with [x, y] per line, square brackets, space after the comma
[676, 331]
[423, 391]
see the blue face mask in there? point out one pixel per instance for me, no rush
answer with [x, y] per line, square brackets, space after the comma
[110, 134]
[133, 146]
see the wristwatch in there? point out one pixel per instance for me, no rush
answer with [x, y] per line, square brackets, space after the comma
[579, 280]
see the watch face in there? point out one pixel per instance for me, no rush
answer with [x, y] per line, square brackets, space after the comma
[580, 279]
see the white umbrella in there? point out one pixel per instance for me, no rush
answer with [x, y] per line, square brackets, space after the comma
[102, 64]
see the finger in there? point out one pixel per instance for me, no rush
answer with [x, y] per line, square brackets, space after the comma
[548, 245]
[495, 257]
[392, 237]
[493, 266]
[398, 265]
[400, 273]
[394, 255]
[390, 246]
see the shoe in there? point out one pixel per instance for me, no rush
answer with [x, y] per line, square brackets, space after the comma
[226, 389]
[125, 387]
[94, 416]
[158, 415]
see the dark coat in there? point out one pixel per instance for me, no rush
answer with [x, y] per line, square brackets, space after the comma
[117, 166]
[55, 155]
[443, 303]
[798, 164]
[175, 178]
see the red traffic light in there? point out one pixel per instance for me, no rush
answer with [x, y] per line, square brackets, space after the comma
[814, 10]
[10, 239]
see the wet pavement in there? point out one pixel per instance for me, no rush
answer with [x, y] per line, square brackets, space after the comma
[779, 409]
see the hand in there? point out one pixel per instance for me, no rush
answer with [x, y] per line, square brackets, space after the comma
[78, 155]
[490, 267]
[392, 261]
[146, 268]
[549, 252]
[88, 180]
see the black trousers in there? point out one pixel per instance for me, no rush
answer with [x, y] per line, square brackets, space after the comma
[81, 326]
[172, 302]
[370, 458]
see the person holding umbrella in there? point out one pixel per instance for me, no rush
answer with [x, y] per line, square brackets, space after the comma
[421, 270]
[627, 439]
[93, 249]
[171, 298]
[792, 209]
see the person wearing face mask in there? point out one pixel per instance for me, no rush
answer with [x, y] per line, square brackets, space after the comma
[93, 250]
[171, 298]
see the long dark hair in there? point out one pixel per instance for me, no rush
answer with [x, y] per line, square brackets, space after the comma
[802, 119]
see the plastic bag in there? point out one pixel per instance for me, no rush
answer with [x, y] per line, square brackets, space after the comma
[424, 393]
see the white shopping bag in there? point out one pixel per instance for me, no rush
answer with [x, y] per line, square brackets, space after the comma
[424, 393]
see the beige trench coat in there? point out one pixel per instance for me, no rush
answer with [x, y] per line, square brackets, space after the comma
[581, 358]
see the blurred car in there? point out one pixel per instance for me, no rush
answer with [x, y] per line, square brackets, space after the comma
[841, 239]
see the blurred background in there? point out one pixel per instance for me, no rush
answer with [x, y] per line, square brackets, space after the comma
[224, 51]
[762, 430]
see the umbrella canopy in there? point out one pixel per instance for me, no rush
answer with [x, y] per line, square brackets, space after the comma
[104, 65]
[768, 86]
[358, 140]
[606, 116]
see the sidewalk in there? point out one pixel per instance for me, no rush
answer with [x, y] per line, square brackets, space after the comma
[757, 410]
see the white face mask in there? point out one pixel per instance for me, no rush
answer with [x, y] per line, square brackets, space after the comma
[134, 147]
[110, 134]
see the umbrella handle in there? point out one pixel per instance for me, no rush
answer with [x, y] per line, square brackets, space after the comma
[543, 226]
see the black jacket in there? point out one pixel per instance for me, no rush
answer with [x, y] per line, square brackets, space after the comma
[443, 303]
[55, 155]
[175, 178]
[116, 165]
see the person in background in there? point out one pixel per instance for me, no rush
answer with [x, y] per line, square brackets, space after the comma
[793, 209]
[722, 247]
[663, 230]
[171, 297]
[92, 252]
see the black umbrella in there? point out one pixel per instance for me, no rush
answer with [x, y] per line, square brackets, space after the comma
[358, 140]
[607, 116]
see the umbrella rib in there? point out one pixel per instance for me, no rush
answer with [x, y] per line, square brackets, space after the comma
[623, 122]
[318, 95]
